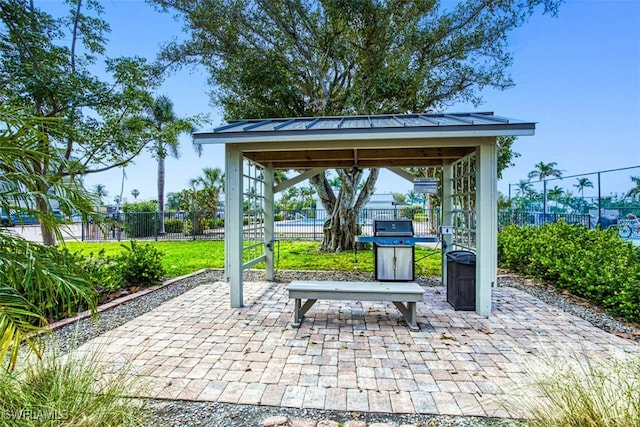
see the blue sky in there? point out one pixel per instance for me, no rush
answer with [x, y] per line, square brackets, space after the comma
[577, 76]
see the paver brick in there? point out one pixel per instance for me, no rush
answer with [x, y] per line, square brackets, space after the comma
[348, 355]
[293, 396]
[272, 395]
[379, 401]
[401, 402]
[357, 400]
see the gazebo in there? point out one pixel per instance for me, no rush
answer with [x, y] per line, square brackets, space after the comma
[462, 144]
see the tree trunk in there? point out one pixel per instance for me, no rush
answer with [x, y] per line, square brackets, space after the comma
[161, 193]
[342, 224]
[48, 235]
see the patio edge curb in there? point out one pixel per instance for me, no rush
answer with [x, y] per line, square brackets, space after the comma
[118, 301]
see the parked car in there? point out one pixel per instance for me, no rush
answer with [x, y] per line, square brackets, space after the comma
[24, 219]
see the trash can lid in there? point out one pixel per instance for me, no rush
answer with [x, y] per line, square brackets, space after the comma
[462, 257]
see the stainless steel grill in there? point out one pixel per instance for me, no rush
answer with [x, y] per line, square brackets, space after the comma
[394, 249]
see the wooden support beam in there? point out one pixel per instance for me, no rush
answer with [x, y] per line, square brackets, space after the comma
[297, 179]
[403, 174]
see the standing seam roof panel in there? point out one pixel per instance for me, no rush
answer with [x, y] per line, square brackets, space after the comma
[374, 122]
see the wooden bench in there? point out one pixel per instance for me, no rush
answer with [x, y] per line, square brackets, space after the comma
[397, 293]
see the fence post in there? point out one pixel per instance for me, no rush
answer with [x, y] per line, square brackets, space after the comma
[599, 202]
[193, 224]
[155, 225]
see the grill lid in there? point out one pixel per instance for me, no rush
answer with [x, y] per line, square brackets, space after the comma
[398, 227]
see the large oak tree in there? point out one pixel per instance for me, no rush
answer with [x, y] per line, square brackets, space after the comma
[284, 58]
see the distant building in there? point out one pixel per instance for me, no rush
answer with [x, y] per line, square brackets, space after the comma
[380, 201]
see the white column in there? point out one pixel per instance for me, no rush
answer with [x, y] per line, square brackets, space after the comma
[268, 221]
[447, 217]
[233, 223]
[486, 223]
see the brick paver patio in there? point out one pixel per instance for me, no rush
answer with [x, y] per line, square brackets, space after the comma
[349, 355]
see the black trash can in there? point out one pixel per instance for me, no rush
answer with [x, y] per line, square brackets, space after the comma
[461, 280]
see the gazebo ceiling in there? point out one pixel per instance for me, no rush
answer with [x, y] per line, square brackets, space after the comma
[364, 158]
[397, 140]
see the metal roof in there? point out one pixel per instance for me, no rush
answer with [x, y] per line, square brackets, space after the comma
[395, 122]
[390, 140]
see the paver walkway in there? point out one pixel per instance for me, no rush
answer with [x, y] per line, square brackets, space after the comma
[348, 355]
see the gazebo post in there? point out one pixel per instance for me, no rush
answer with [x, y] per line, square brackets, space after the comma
[268, 221]
[486, 223]
[447, 213]
[233, 229]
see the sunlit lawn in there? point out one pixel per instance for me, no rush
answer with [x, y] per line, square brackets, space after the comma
[182, 258]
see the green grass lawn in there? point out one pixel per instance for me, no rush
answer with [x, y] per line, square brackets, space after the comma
[182, 258]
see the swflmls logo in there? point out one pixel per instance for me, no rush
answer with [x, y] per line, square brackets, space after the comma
[33, 414]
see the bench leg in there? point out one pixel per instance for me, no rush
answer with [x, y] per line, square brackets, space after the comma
[299, 310]
[409, 313]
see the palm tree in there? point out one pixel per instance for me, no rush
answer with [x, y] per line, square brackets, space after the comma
[210, 178]
[524, 191]
[288, 196]
[524, 188]
[34, 277]
[279, 176]
[306, 195]
[545, 170]
[542, 171]
[174, 199]
[335, 183]
[635, 191]
[581, 185]
[556, 194]
[166, 128]
[135, 193]
[416, 198]
[210, 185]
[120, 198]
[101, 192]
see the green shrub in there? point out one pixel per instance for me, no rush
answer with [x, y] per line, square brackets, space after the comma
[201, 224]
[140, 219]
[49, 278]
[174, 225]
[421, 217]
[593, 264]
[409, 212]
[104, 272]
[141, 265]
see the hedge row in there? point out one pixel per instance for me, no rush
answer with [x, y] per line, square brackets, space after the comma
[593, 264]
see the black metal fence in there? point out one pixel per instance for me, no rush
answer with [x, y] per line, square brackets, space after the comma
[288, 225]
[514, 217]
[153, 226]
